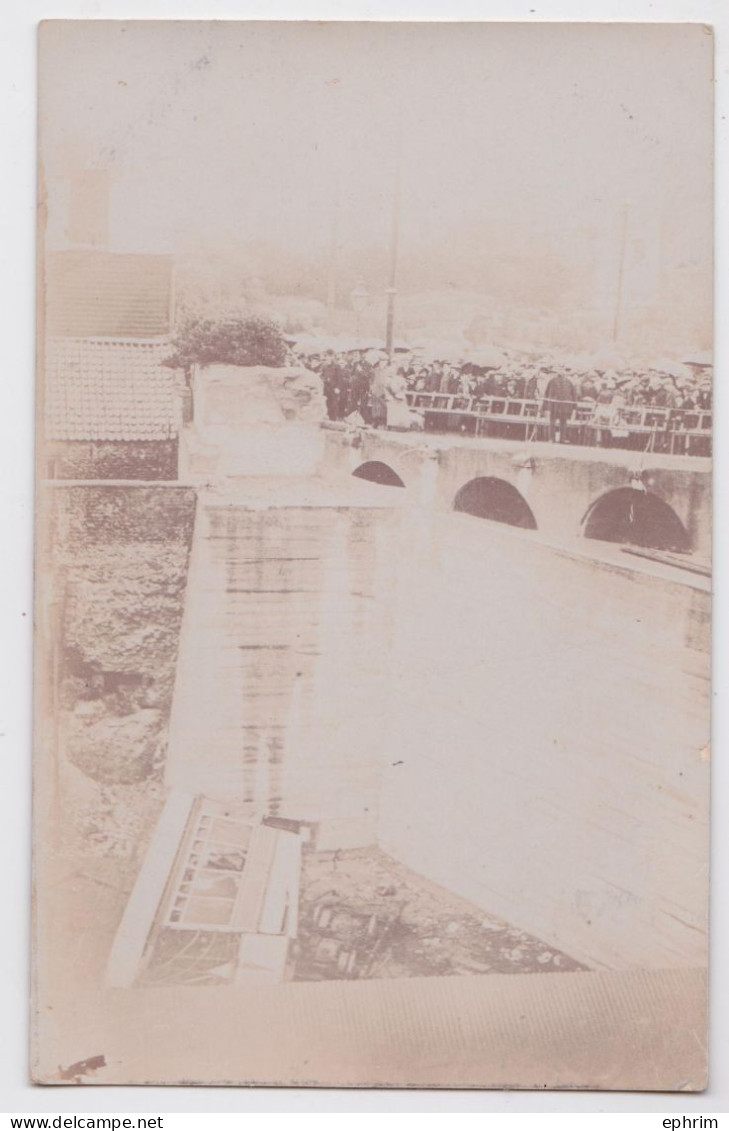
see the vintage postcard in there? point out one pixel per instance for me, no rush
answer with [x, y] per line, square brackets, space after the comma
[373, 598]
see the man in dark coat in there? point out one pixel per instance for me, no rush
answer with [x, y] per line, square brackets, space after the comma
[333, 378]
[559, 400]
[359, 390]
[432, 381]
[703, 395]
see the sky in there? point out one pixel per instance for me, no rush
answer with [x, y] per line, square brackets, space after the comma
[219, 131]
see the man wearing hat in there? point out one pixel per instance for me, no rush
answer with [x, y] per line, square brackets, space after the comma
[704, 396]
[559, 400]
[332, 375]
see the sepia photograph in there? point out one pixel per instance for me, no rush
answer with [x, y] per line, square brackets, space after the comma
[373, 554]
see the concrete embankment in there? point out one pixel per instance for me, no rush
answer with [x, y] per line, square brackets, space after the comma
[523, 723]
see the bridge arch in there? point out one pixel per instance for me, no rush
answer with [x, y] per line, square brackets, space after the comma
[497, 500]
[376, 471]
[637, 517]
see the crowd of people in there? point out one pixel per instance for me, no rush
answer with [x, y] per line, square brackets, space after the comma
[363, 386]
[551, 380]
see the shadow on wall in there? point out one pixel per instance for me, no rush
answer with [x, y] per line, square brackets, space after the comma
[377, 472]
[636, 517]
[488, 497]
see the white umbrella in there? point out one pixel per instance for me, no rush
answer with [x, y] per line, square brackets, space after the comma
[581, 363]
[672, 368]
[487, 356]
[444, 351]
[703, 360]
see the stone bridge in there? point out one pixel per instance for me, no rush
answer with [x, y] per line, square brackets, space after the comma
[253, 422]
[564, 492]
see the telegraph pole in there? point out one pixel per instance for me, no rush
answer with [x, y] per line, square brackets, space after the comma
[621, 274]
[336, 124]
[333, 269]
[391, 291]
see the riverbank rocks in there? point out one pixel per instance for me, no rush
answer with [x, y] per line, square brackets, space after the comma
[114, 749]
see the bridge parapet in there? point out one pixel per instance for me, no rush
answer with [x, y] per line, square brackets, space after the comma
[560, 484]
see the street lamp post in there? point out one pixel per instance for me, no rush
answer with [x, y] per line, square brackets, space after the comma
[391, 291]
[359, 296]
[617, 318]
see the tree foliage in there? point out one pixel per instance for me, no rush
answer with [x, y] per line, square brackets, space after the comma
[227, 341]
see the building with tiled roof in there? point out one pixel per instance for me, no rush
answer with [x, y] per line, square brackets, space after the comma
[109, 389]
[111, 409]
[92, 293]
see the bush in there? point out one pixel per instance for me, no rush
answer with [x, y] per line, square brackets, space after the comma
[230, 341]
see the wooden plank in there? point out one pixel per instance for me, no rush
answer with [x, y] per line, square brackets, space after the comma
[148, 891]
[292, 924]
[256, 875]
[283, 886]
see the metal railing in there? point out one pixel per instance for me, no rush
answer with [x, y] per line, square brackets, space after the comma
[677, 431]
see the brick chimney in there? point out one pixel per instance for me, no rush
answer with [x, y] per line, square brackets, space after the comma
[88, 209]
